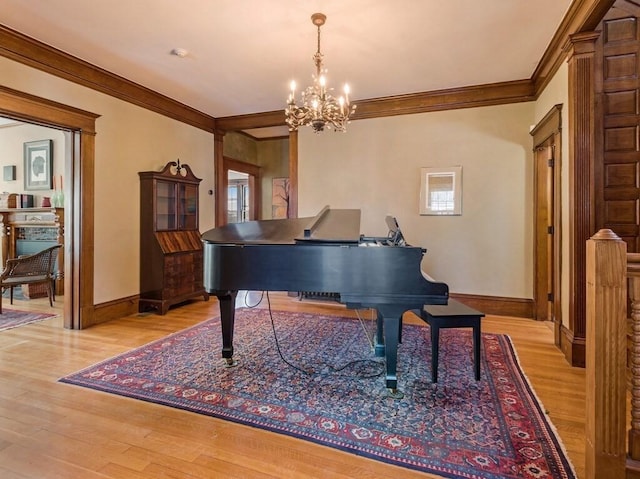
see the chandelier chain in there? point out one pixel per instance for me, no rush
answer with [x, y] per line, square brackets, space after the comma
[317, 58]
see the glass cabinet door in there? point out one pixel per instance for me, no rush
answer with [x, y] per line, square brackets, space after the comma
[188, 207]
[166, 218]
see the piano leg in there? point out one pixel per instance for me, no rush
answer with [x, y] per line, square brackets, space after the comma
[389, 323]
[379, 346]
[227, 300]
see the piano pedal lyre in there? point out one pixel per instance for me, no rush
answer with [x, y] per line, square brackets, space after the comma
[395, 393]
[230, 363]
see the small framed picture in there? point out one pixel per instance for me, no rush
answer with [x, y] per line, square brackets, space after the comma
[38, 165]
[441, 191]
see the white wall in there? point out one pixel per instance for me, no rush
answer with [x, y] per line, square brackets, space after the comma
[12, 139]
[129, 139]
[375, 166]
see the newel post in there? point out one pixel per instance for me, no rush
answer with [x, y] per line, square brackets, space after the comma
[606, 355]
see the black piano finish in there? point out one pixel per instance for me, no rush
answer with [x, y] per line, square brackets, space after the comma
[321, 254]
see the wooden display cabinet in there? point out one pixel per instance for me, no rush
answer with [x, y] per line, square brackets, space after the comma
[171, 257]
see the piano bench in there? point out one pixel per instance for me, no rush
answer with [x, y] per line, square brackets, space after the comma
[452, 315]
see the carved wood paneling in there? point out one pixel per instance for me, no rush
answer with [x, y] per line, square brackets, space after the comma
[616, 176]
[617, 103]
[620, 66]
[620, 139]
[620, 175]
[618, 30]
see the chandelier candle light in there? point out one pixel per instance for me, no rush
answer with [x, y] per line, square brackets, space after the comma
[319, 108]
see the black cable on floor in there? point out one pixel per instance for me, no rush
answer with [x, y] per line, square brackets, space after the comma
[246, 297]
[333, 369]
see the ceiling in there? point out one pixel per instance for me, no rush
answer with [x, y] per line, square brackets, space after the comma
[242, 54]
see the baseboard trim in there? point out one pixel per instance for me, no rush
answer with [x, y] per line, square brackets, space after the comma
[574, 349]
[494, 305]
[497, 305]
[114, 309]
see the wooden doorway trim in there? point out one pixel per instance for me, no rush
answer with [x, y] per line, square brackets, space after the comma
[293, 174]
[80, 133]
[221, 177]
[547, 149]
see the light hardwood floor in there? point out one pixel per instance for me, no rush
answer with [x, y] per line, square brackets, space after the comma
[54, 430]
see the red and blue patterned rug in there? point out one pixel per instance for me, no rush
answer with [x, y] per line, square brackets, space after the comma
[12, 318]
[332, 391]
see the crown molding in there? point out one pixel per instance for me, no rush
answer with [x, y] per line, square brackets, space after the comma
[582, 16]
[449, 99]
[26, 50]
[252, 120]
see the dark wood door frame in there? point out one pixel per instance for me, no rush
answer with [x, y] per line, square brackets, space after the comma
[79, 127]
[547, 139]
[543, 230]
[255, 191]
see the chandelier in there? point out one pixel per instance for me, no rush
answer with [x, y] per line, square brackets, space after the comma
[318, 107]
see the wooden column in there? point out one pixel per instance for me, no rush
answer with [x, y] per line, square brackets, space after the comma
[221, 192]
[293, 174]
[4, 238]
[606, 351]
[580, 49]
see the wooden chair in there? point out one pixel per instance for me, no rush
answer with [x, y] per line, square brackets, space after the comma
[35, 268]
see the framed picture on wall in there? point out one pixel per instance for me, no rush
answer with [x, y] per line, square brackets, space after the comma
[441, 191]
[280, 198]
[38, 165]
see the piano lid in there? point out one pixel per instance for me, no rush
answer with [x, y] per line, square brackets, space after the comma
[328, 226]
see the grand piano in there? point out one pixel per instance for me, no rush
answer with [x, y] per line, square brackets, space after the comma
[323, 254]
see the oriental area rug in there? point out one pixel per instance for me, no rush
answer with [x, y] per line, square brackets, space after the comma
[316, 378]
[12, 318]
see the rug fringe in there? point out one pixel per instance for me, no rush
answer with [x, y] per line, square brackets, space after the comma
[541, 408]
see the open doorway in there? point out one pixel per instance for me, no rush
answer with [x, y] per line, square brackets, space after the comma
[32, 215]
[79, 130]
[242, 191]
[239, 196]
[266, 159]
